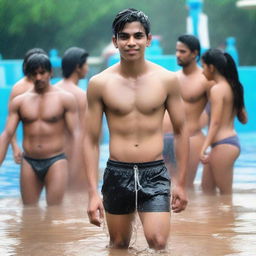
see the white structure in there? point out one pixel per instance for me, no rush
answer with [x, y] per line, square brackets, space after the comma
[197, 22]
[203, 33]
[246, 4]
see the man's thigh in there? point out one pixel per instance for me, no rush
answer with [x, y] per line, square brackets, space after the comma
[120, 227]
[156, 224]
[56, 181]
[30, 184]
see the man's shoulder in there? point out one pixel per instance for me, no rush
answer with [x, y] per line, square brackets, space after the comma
[158, 68]
[70, 87]
[106, 72]
[161, 71]
[20, 87]
[101, 78]
[60, 92]
[18, 99]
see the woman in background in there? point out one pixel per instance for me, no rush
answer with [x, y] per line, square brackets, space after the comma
[227, 102]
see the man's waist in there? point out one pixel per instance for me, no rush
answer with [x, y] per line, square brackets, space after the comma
[132, 164]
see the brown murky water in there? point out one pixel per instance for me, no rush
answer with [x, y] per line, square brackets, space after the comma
[211, 226]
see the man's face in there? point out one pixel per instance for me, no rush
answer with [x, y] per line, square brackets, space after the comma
[132, 41]
[82, 71]
[40, 78]
[184, 55]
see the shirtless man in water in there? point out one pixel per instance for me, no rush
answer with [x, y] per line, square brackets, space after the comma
[23, 85]
[45, 113]
[74, 67]
[194, 87]
[134, 95]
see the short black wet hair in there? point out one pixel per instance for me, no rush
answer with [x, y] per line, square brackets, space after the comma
[36, 61]
[72, 58]
[191, 42]
[127, 16]
[28, 54]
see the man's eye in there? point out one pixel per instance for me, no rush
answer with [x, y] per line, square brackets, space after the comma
[122, 36]
[138, 36]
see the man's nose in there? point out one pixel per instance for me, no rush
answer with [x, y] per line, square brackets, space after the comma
[38, 77]
[131, 41]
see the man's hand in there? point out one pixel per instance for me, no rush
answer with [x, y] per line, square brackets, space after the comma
[17, 154]
[179, 199]
[95, 210]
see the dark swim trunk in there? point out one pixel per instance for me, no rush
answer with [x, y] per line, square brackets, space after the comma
[41, 166]
[168, 151]
[136, 186]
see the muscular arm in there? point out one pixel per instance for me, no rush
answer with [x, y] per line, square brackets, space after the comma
[176, 112]
[20, 87]
[72, 125]
[91, 149]
[82, 111]
[10, 128]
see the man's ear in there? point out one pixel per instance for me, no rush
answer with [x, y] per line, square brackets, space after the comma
[212, 68]
[149, 40]
[195, 53]
[114, 41]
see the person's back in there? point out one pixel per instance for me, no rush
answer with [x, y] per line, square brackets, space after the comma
[23, 85]
[75, 67]
[221, 147]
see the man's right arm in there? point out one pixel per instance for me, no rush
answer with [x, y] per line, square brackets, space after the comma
[11, 125]
[175, 108]
[94, 115]
[17, 152]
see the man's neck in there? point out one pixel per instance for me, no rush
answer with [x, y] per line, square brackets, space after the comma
[73, 79]
[44, 90]
[133, 68]
[191, 68]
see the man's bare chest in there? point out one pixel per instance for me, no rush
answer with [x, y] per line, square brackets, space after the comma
[193, 91]
[49, 111]
[144, 99]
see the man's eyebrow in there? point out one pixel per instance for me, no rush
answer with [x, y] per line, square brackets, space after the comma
[122, 33]
[127, 34]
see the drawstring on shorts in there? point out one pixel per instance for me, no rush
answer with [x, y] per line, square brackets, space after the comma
[136, 184]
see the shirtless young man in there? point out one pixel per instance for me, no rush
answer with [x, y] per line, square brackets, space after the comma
[194, 87]
[134, 95]
[23, 85]
[74, 68]
[45, 113]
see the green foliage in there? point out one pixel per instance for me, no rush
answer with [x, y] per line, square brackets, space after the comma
[87, 23]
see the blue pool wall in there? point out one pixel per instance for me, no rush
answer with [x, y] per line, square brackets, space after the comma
[11, 72]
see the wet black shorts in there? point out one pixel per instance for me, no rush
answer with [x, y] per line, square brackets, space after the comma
[121, 181]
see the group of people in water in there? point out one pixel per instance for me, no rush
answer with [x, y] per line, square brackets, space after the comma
[155, 119]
